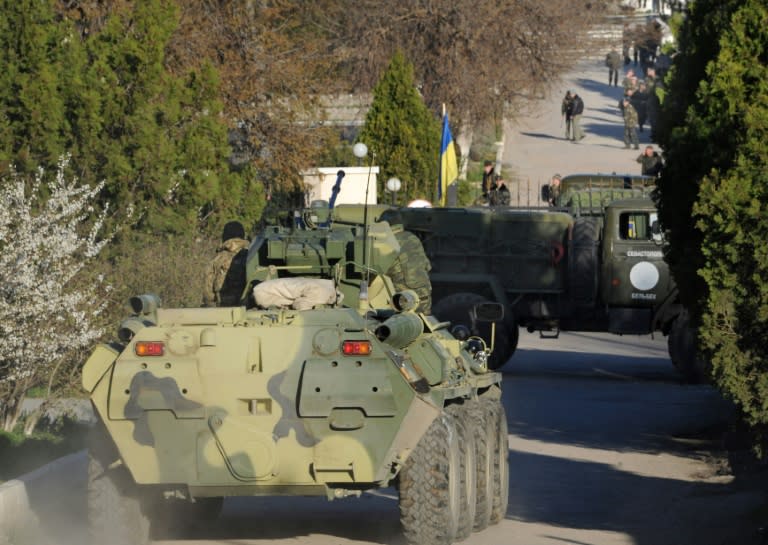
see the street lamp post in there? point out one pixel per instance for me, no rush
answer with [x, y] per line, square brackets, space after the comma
[393, 186]
[360, 150]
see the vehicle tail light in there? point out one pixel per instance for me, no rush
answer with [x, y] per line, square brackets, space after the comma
[356, 348]
[149, 348]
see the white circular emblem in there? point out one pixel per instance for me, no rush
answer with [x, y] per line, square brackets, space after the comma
[644, 276]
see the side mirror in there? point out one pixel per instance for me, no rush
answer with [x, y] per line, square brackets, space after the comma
[488, 312]
[655, 227]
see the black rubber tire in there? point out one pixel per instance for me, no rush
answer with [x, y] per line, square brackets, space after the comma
[681, 345]
[468, 470]
[115, 511]
[429, 486]
[583, 263]
[455, 308]
[484, 429]
[410, 270]
[500, 462]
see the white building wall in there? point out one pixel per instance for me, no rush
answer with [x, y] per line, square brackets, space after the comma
[319, 184]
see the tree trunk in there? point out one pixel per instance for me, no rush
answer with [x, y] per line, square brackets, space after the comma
[10, 411]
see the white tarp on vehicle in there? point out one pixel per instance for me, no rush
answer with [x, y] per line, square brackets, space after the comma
[295, 293]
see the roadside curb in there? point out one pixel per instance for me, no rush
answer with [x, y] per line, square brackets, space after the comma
[31, 506]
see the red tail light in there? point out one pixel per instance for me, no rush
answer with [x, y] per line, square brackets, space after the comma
[356, 348]
[149, 348]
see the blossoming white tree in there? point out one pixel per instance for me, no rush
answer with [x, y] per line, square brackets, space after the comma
[47, 239]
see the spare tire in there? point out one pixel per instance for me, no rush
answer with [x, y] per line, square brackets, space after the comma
[455, 308]
[583, 265]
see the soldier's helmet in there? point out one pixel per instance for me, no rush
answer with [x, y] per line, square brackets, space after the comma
[233, 229]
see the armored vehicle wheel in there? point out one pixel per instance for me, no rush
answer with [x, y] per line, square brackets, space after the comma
[484, 429]
[430, 486]
[114, 503]
[468, 470]
[583, 262]
[497, 415]
[455, 308]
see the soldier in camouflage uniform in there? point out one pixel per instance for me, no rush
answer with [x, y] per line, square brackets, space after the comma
[630, 124]
[411, 268]
[225, 277]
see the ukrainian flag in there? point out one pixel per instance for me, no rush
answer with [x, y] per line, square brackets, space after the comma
[449, 169]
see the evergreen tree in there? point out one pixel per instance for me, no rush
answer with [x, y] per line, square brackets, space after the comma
[714, 190]
[166, 148]
[40, 58]
[107, 100]
[402, 132]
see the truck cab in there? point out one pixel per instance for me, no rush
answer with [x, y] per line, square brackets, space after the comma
[635, 280]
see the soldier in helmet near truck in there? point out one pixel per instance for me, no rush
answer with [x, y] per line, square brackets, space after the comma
[225, 276]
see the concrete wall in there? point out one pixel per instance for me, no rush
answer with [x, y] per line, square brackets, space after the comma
[47, 506]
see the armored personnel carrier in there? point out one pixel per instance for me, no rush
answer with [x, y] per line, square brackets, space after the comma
[327, 381]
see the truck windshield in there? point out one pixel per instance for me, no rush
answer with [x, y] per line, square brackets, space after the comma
[635, 226]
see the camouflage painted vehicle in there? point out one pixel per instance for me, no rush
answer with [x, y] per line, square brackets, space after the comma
[198, 404]
[592, 262]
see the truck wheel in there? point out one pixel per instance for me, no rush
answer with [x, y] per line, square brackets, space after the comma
[468, 469]
[485, 440]
[429, 486]
[497, 415]
[114, 503]
[455, 308]
[681, 345]
[583, 262]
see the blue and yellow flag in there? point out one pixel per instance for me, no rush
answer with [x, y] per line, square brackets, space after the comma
[449, 169]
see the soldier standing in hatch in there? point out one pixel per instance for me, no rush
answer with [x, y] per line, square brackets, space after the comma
[225, 277]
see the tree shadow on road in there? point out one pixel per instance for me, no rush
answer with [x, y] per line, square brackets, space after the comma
[567, 493]
[601, 88]
[541, 135]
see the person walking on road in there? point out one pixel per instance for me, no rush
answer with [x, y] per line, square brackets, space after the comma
[578, 110]
[639, 100]
[567, 112]
[613, 62]
[630, 124]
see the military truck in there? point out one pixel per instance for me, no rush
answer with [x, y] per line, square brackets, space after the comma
[325, 381]
[592, 262]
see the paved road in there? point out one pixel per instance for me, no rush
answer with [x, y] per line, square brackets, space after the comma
[535, 147]
[604, 450]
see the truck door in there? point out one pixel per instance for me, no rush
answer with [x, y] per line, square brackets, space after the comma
[635, 277]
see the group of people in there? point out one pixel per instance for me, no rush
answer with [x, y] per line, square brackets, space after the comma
[572, 110]
[639, 105]
[643, 41]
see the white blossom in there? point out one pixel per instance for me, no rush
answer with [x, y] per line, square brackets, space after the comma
[44, 245]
